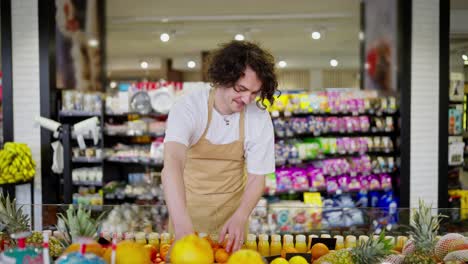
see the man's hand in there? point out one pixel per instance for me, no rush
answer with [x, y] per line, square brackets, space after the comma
[235, 229]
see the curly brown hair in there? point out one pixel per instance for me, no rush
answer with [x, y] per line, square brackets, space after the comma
[228, 64]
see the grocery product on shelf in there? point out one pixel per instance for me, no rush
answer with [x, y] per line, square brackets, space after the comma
[76, 103]
[150, 154]
[87, 176]
[23, 253]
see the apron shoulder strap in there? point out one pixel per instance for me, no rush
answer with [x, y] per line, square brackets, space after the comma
[241, 124]
[210, 110]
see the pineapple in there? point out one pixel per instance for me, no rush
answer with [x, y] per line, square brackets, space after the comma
[12, 219]
[36, 240]
[394, 259]
[447, 244]
[371, 251]
[77, 223]
[459, 255]
[423, 230]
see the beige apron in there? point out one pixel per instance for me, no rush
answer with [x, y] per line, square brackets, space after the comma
[214, 178]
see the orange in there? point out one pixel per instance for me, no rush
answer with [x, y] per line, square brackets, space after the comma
[319, 250]
[221, 256]
[287, 250]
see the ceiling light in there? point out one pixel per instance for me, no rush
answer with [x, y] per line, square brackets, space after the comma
[465, 57]
[191, 64]
[144, 65]
[165, 37]
[282, 64]
[333, 62]
[316, 35]
[239, 37]
[92, 42]
[113, 84]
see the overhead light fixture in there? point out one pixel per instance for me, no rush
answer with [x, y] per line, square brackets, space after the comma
[239, 37]
[113, 84]
[282, 64]
[465, 57]
[144, 65]
[165, 37]
[333, 62]
[316, 35]
[191, 64]
[92, 42]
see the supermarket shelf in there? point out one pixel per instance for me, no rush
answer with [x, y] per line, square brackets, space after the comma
[153, 135]
[87, 160]
[134, 113]
[338, 134]
[134, 162]
[372, 114]
[78, 114]
[85, 183]
[322, 191]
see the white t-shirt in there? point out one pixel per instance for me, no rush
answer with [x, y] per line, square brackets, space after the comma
[188, 118]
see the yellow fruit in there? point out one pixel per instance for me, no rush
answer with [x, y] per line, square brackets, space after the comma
[244, 256]
[129, 252]
[298, 260]
[319, 250]
[107, 254]
[93, 248]
[279, 261]
[192, 250]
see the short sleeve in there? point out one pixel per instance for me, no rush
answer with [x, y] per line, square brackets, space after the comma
[260, 146]
[180, 124]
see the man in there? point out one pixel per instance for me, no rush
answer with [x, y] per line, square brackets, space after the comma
[220, 144]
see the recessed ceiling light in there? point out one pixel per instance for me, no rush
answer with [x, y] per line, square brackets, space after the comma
[465, 57]
[92, 42]
[333, 62]
[282, 64]
[165, 37]
[144, 65]
[316, 35]
[239, 37]
[113, 84]
[191, 64]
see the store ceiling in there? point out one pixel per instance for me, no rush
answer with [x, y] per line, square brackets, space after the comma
[133, 29]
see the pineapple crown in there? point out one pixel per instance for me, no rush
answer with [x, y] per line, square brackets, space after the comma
[372, 250]
[77, 223]
[12, 218]
[424, 227]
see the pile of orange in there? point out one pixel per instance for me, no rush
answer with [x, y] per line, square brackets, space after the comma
[319, 250]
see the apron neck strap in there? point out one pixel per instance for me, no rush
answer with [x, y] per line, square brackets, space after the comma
[211, 99]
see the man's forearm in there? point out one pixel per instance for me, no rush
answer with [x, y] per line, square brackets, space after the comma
[253, 192]
[174, 192]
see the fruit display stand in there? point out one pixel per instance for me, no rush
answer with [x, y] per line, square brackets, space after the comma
[138, 234]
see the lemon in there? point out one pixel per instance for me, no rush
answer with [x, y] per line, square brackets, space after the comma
[298, 260]
[279, 261]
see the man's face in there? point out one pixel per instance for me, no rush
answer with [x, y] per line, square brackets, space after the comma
[244, 92]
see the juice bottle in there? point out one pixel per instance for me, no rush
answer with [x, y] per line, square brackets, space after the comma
[339, 242]
[275, 248]
[263, 245]
[288, 241]
[165, 239]
[362, 239]
[153, 239]
[309, 243]
[140, 238]
[301, 245]
[251, 242]
[325, 236]
[350, 242]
